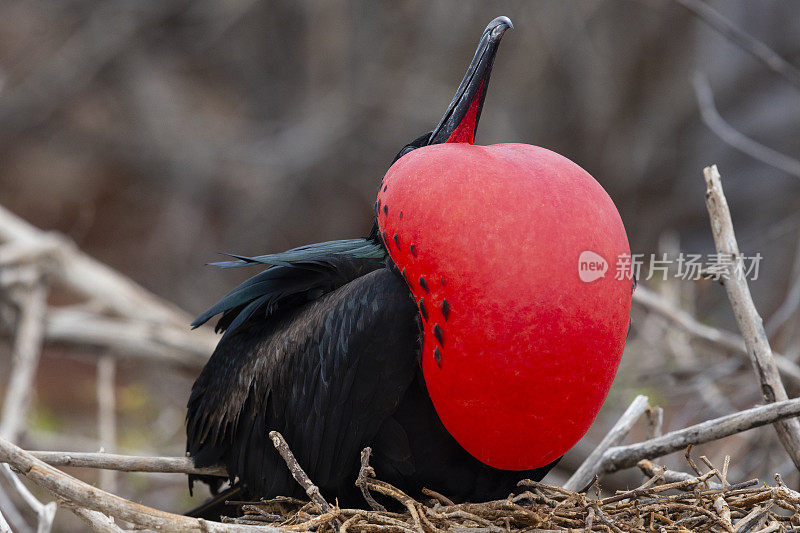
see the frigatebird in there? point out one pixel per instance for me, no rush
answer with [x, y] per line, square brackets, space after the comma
[327, 345]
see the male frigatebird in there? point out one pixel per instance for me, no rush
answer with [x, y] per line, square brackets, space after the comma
[457, 340]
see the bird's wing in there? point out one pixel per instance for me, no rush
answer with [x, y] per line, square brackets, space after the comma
[355, 248]
[325, 374]
[295, 277]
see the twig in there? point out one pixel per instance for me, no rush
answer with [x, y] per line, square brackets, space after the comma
[132, 337]
[726, 132]
[12, 513]
[142, 321]
[364, 472]
[753, 518]
[591, 465]
[106, 420]
[81, 494]
[438, 496]
[96, 520]
[655, 421]
[725, 466]
[746, 42]
[687, 454]
[646, 489]
[45, 512]
[619, 457]
[92, 279]
[27, 350]
[298, 473]
[724, 340]
[589, 520]
[649, 468]
[744, 309]
[4, 527]
[790, 304]
[721, 506]
[127, 463]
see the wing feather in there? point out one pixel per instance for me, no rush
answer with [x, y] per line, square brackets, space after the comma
[326, 374]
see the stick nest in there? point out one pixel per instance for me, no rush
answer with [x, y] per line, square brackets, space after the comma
[696, 503]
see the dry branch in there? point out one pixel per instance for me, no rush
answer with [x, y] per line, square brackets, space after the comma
[655, 421]
[590, 466]
[732, 136]
[140, 322]
[106, 419]
[12, 514]
[685, 504]
[4, 527]
[619, 457]
[366, 471]
[130, 337]
[127, 463]
[298, 473]
[80, 494]
[97, 521]
[743, 40]
[26, 352]
[744, 309]
[651, 469]
[724, 340]
[27, 348]
[86, 276]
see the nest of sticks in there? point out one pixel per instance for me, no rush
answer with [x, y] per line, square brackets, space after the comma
[668, 501]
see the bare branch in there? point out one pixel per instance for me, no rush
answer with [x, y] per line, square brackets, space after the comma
[789, 306]
[130, 337]
[298, 473]
[143, 324]
[136, 338]
[127, 463]
[726, 132]
[591, 465]
[27, 348]
[651, 469]
[619, 457]
[106, 418]
[4, 527]
[655, 421]
[746, 42]
[724, 340]
[744, 309]
[90, 278]
[80, 494]
[97, 521]
[361, 482]
[12, 513]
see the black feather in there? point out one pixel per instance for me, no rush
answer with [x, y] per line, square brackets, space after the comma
[354, 248]
[293, 283]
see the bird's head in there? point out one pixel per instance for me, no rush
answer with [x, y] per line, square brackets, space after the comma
[460, 121]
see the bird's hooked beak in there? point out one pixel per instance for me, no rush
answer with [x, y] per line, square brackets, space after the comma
[460, 121]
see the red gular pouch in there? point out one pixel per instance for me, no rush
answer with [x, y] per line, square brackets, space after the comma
[519, 348]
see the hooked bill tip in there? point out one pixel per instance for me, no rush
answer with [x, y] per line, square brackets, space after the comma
[498, 27]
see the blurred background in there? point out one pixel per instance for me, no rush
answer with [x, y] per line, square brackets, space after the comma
[159, 134]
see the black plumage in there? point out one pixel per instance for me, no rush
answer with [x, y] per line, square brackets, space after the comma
[334, 368]
[324, 347]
